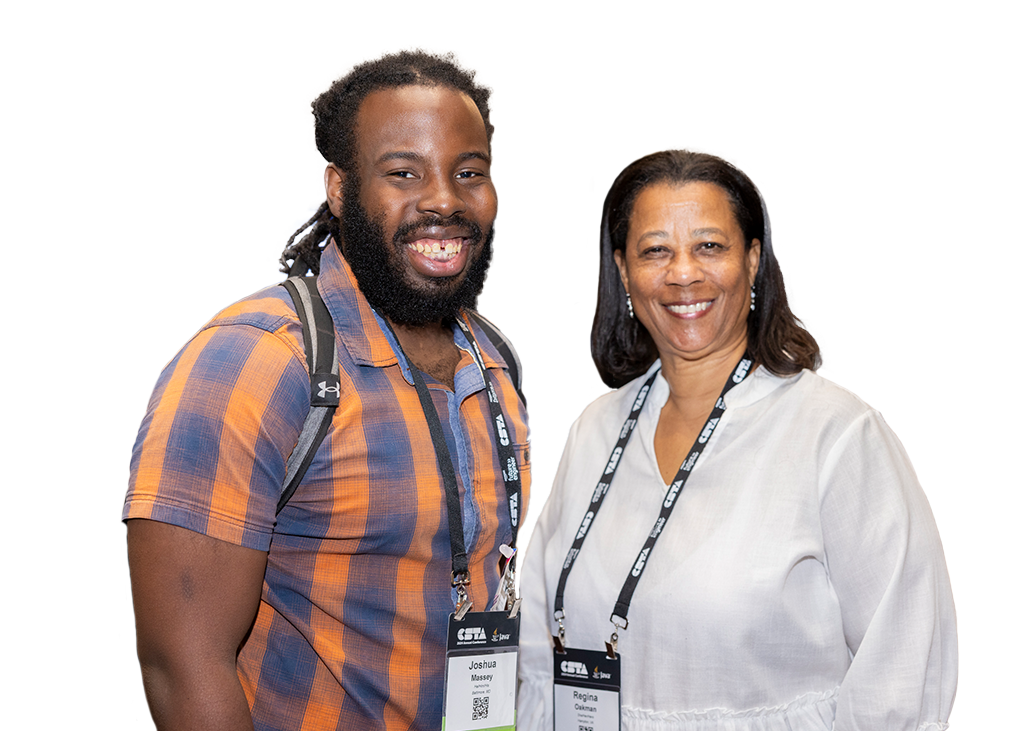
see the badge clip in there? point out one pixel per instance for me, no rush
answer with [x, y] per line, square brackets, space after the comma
[559, 639]
[612, 646]
[462, 601]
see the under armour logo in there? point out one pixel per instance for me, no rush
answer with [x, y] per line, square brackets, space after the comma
[325, 389]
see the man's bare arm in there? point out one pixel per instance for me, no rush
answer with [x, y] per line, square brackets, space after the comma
[195, 599]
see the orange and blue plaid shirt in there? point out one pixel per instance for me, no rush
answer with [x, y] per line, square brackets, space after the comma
[351, 628]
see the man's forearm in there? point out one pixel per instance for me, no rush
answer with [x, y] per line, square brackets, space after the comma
[206, 696]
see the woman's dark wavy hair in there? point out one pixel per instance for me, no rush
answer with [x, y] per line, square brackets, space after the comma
[335, 114]
[621, 347]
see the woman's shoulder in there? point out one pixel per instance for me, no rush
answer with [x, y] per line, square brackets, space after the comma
[808, 403]
[809, 390]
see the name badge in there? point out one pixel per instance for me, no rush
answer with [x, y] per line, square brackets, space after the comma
[481, 669]
[587, 684]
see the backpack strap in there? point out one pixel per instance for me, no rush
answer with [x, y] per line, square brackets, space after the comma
[324, 383]
[504, 346]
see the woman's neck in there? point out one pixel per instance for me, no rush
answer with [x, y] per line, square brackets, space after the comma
[694, 385]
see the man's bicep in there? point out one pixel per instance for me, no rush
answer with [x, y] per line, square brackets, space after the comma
[195, 597]
[212, 451]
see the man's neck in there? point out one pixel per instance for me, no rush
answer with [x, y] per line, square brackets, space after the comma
[432, 349]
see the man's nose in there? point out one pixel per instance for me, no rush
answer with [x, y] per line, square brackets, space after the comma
[442, 197]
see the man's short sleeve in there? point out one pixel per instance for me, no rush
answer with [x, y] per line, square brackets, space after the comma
[226, 413]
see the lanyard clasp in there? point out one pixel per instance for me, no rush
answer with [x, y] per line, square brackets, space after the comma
[462, 601]
[559, 639]
[612, 646]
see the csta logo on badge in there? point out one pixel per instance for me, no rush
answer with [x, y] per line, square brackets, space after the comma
[472, 634]
[574, 669]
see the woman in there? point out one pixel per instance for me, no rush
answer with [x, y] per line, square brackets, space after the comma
[786, 570]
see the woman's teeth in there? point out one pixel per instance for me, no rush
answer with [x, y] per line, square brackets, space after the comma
[689, 309]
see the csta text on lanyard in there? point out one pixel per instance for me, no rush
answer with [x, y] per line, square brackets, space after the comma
[509, 473]
[619, 617]
[587, 683]
[482, 651]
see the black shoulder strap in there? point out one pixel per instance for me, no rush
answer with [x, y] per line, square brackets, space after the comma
[504, 346]
[324, 383]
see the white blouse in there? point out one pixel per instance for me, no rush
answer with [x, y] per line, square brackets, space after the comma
[799, 585]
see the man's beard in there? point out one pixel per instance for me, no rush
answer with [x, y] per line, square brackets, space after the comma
[381, 278]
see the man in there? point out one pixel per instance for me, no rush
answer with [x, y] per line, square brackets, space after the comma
[333, 614]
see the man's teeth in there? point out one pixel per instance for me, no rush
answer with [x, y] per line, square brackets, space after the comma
[438, 250]
[689, 309]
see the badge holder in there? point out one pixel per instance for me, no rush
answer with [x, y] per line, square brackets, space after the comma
[590, 700]
[587, 686]
[482, 660]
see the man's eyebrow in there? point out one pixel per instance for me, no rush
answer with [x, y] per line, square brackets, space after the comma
[475, 156]
[417, 157]
[400, 155]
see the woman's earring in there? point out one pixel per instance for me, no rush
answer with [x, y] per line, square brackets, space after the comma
[629, 305]
[753, 296]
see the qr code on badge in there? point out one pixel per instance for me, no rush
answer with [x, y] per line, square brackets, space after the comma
[480, 707]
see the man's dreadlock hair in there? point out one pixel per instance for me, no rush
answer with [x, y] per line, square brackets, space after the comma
[335, 113]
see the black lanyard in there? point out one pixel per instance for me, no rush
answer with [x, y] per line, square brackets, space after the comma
[668, 504]
[506, 455]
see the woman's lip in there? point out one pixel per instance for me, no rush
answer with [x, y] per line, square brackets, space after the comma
[691, 309]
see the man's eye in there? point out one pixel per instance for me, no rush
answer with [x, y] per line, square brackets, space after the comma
[400, 174]
[468, 174]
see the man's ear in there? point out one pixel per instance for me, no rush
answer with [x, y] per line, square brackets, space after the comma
[334, 180]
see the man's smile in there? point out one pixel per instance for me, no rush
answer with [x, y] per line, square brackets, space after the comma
[437, 250]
